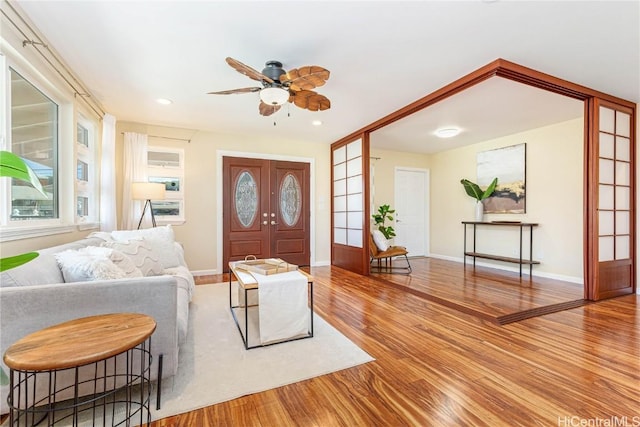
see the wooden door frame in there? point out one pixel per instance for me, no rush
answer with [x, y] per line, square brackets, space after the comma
[528, 76]
[219, 190]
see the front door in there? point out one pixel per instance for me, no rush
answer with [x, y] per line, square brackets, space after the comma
[266, 210]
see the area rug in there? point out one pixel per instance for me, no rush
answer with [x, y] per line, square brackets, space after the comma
[215, 367]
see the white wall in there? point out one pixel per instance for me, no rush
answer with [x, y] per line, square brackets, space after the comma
[554, 191]
[199, 234]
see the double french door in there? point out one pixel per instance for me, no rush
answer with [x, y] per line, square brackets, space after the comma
[266, 210]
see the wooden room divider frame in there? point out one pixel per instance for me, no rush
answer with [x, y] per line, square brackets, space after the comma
[602, 278]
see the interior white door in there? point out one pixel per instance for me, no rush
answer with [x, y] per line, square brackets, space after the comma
[412, 210]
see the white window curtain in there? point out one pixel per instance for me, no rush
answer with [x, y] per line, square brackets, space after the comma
[135, 170]
[108, 213]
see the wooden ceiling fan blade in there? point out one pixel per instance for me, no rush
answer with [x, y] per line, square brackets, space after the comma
[311, 100]
[247, 71]
[266, 109]
[305, 78]
[233, 91]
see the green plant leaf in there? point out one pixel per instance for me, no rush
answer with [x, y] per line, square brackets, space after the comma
[15, 167]
[16, 261]
[490, 189]
[476, 192]
[472, 189]
[384, 214]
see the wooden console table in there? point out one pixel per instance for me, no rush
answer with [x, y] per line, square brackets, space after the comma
[520, 260]
[46, 366]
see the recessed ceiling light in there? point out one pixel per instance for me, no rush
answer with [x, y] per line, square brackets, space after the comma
[164, 101]
[317, 122]
[447, 132]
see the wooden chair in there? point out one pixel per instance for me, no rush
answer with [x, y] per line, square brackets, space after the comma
[387, 256]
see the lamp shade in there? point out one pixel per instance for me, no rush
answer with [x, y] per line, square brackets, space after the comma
[147, 191]
[274, 95]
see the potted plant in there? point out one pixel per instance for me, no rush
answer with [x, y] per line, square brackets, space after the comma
[379, 219]
[14, 167]
[477, 193]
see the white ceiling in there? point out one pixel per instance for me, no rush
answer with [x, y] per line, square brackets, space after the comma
[382, 56]
[491, 109]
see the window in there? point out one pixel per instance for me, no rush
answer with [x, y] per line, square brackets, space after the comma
[166, 166]
[86, 178]
[34, 137]
[39, 122]
[83, 171]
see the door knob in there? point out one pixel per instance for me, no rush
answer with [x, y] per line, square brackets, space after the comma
[265, 222]
[274, 223]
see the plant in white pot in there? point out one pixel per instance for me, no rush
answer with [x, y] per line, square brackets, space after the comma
[477, 193]
[380, 219]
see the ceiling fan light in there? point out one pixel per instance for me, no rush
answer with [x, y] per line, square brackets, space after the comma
[274, 95]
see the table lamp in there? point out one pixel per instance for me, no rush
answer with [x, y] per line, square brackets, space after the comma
[147, 191]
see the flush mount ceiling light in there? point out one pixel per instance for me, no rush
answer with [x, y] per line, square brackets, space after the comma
[317, 123]
[164, 101]
[274, 95]
[447, 132]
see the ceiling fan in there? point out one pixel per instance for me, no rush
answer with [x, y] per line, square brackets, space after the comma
[279, 86]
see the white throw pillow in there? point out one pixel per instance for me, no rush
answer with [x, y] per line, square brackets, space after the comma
[89, 263]
[139, 251]
[161, 241]
[125, 263]
[381, 242]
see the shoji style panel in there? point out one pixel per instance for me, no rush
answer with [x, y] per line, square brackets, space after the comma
[349, 212]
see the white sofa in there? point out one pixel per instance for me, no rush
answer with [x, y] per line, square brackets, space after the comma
[35, 295]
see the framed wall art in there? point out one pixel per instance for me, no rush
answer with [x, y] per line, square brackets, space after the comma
[508, 164]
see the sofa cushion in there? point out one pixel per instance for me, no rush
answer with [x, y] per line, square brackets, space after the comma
[139, 251]
[90, 263]
[184, 279]
[182, 314]
[161, 240]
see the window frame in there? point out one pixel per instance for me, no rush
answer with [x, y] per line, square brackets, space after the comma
[168, 171]
[64, 153]
[90, 188]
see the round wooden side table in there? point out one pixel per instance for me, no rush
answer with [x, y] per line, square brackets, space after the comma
[95, 368]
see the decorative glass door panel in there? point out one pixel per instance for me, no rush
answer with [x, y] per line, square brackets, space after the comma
[290, 200]
[246, 199]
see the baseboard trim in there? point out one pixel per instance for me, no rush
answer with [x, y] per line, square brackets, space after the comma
[196, 273]
[569, 279]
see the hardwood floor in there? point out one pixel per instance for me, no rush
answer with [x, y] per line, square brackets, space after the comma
[496, 295]
[437, 366]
